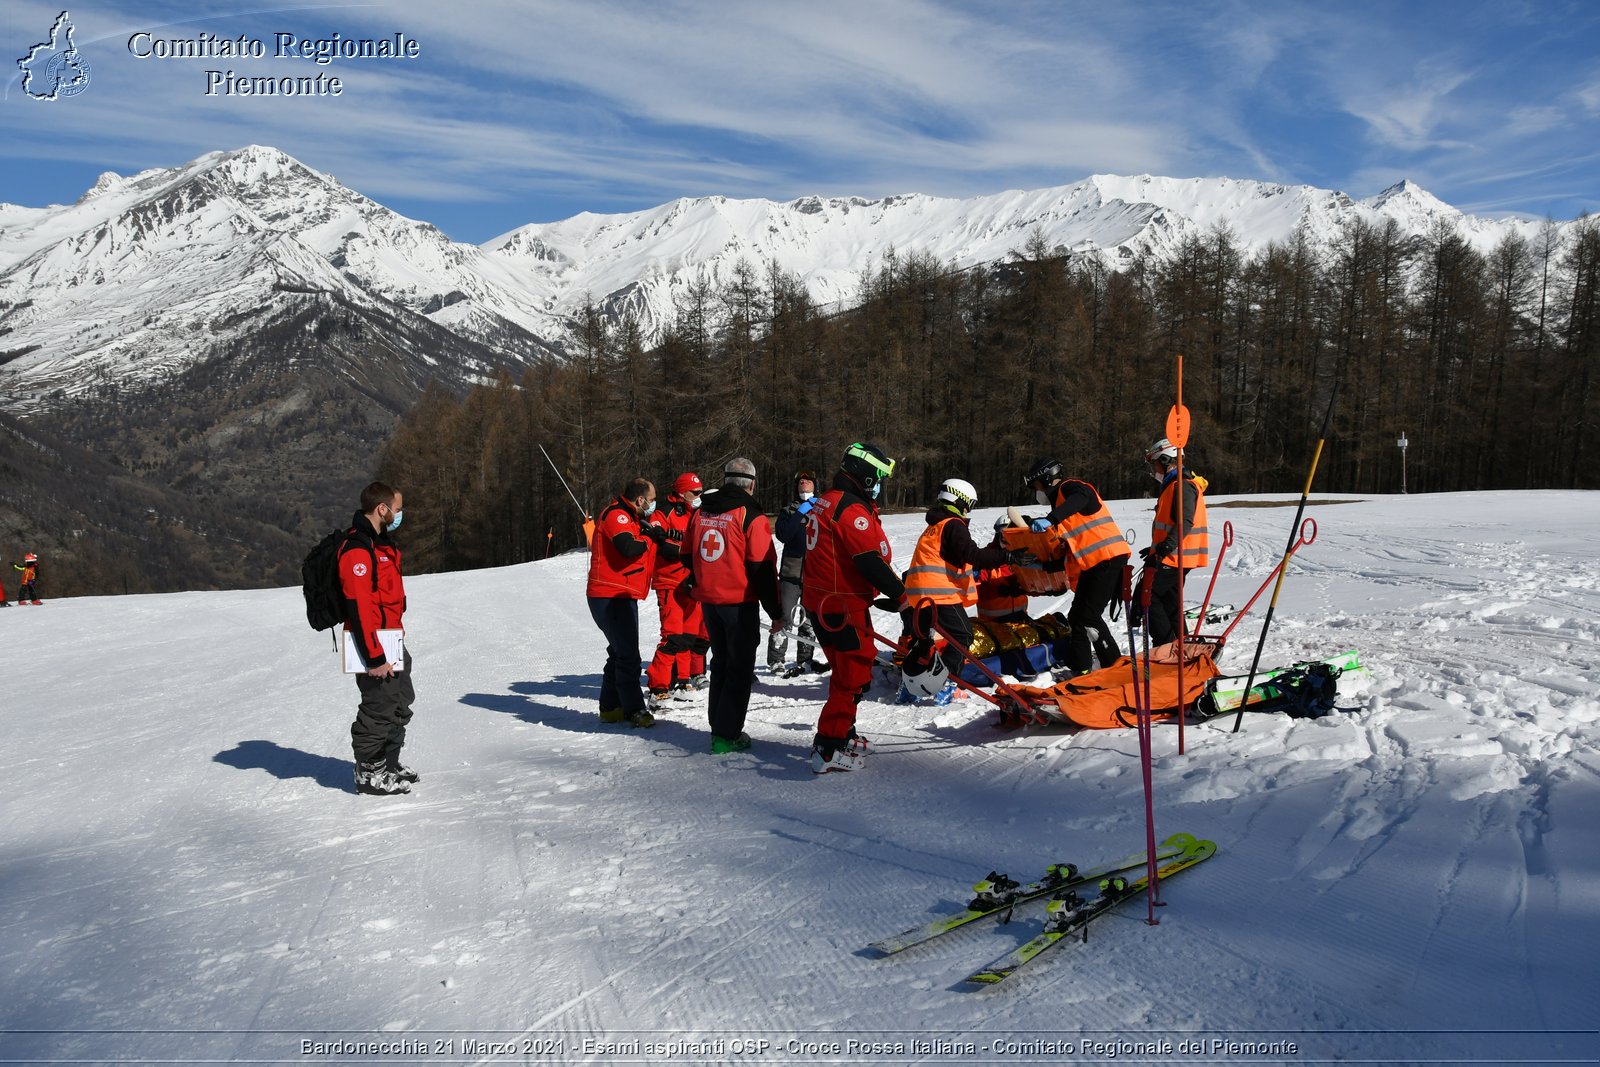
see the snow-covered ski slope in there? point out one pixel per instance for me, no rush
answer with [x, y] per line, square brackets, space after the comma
[188, 874]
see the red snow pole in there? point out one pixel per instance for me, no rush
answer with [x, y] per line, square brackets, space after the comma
[549, 541]
[1227, 543]
[1141, 702]
[1283, 566]
[1178, 437]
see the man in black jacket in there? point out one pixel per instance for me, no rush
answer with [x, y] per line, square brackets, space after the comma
[790, 530]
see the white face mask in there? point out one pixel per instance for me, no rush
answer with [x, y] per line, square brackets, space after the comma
[804, 496]
[1042, 497]
[648, 509]
[694, 502]
[877, 487]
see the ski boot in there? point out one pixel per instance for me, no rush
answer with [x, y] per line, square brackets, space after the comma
[375, 779]
[827, 757]
[723, 746]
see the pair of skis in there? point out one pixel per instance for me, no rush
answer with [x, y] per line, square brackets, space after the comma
[1069, 913]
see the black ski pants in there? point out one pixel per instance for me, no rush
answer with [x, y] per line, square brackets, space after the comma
[379, 732]
[618, 619]
[955, 621]
[1091, 633]
[1166, 607]
[735, 631]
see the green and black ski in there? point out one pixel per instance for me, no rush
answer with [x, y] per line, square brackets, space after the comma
[1069, 914]
[997, 893]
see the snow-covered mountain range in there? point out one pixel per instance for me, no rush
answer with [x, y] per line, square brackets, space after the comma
[147, 275]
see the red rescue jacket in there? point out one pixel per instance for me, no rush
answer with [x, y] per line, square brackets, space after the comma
[730, 549]
[612, 571]
[840, 526]
[370, 606]
[673, 568]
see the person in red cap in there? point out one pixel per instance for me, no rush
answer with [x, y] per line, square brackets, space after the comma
[680, 659]
[26, 593]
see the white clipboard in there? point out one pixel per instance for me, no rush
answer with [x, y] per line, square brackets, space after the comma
[394, 649]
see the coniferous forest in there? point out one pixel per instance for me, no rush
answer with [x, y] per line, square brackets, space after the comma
[1485, 362]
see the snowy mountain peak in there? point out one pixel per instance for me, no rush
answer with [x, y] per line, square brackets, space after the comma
[122, 283]
[1406, 195]
[107, 182]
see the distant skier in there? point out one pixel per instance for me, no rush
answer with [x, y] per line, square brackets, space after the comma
[1170, 547]
[27, 593]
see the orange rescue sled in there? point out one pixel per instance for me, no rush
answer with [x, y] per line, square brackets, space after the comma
[1105, 699]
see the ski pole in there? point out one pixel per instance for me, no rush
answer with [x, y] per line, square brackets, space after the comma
[1272, 605]
[564, 484]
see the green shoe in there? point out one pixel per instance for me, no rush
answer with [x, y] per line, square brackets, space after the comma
[721, 746]
[613, 715]
[641, 718]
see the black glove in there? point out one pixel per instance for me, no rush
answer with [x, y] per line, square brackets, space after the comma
[919, 657]
[883, 603]
[1021, 557]
[654, 532]
[675, 535]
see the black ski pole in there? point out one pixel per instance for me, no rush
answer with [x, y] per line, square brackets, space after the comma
[1272, 605]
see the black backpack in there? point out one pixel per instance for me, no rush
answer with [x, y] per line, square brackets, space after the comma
[319, 581]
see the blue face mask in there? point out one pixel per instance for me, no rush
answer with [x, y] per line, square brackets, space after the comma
[649, 509]
[877, 487]
[394, 523]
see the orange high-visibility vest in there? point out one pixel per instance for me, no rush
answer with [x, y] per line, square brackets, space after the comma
[1195, 547]
[1091, 539]
[931, 577]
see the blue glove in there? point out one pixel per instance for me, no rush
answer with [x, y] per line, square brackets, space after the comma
[805, 506]
[1039, 525]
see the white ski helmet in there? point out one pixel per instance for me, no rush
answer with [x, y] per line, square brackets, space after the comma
[929, 682]
[960, 493]
[1162, 449]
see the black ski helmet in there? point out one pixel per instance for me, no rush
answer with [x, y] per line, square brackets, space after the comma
[1046, 472]
[866, 465]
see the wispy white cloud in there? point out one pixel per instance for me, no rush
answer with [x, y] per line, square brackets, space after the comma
[608, 103]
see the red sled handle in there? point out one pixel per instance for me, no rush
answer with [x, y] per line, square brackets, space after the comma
[1308, 534]
[1022, 706]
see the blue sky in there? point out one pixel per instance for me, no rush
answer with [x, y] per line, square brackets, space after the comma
[523, 111]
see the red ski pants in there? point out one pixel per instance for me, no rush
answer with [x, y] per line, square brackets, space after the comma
[846, 640]
[683, 639]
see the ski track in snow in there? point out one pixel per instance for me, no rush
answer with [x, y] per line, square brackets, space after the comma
[183, 849]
